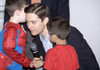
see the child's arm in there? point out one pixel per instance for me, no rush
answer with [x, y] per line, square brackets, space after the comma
[9, 45]
[75, 58]
[50, 60]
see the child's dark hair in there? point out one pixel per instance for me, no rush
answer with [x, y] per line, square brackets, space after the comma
[39, 9]
[59, 26]
[12, 5]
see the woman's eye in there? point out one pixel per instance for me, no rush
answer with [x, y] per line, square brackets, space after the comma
[33, 22]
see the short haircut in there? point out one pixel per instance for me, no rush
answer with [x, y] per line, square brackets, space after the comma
[60, 27]
[12, 5]
[39, 9]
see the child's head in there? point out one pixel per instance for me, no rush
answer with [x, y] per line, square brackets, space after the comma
[58, 27]
[15, 8]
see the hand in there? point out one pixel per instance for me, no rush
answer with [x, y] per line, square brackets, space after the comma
[38, 62]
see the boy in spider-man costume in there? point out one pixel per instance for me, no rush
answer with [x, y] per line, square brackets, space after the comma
[13, 38]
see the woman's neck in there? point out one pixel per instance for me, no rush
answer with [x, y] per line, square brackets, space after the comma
[45, 32]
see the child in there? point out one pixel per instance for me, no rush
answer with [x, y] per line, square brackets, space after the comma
[63, 56]
[12, 45]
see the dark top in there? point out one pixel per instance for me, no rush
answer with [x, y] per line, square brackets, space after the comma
[87, 60]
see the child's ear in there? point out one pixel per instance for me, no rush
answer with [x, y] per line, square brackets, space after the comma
[17, 13]
[54, 37]
[46, 20]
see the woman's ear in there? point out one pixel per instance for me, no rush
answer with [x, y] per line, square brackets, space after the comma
[46, 20]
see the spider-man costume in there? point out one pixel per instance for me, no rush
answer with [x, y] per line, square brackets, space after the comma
[12, 47]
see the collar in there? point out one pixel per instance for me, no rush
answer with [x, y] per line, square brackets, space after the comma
[44, 39]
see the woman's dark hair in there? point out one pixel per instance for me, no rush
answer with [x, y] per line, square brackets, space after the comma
[39, 9]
